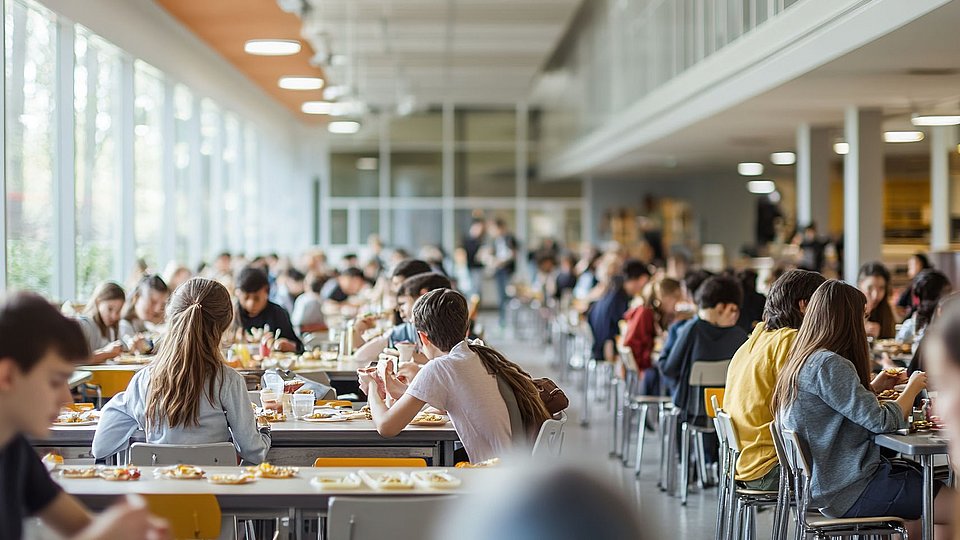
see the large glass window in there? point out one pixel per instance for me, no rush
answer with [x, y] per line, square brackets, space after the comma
[251, 192]
[232, 184]
[30, 75]
[414, 228]
[96, 86]
[210, 127]
[354, 174]
[486, 126]
[183, 122]
[485, 173]
[417, 129]
[148, 171]
[416, 174]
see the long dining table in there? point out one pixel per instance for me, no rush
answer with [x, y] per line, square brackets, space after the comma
[923, 446]
[297, 442]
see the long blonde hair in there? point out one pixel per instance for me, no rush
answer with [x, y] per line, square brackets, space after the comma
[189, 362]
[104, 292]
[833, 322]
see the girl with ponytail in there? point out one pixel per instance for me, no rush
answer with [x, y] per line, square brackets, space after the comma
[460, 378]
[187, 395]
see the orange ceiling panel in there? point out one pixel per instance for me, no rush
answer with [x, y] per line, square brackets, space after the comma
[225, 25]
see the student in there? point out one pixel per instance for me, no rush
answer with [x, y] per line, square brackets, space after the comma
[826, 395]
[651, 319]
[461, 379]
[751, 312]
[928, 287]
[712, 336]
[605, 314]
[943, 342]
[753, 372]
[290, 286]
[255, 310]
[38, 350]
[100, 321]
[187, 395]
[144, 312]
[411, 289]
[307, 314]
[346, 285]
[874, 282]
[917, 263]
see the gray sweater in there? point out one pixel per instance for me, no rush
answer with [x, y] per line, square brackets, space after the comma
[230, 417]
[838, 418]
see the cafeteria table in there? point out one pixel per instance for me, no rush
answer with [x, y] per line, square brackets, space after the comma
[294, 498]
[298, 442]
[924, 446]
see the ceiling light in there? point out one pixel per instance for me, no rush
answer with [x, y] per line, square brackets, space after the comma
[347, 108]
[317, 107]
[367, 164]
[903, 136]
[272, 47]
[761, 186]
[935, 119]
[301, 83]
[841, 148]
[750, 169]
[348, 127]
[783, 158]
[334, 92]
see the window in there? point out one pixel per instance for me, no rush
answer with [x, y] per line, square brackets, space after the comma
[416, 174]
[182, 125]
[147, 168]
[232, 199]
[427, 231]
[96, 86]
[30, 74]
[485, 173]
[251, 192]
[354, 174]
[210, 127]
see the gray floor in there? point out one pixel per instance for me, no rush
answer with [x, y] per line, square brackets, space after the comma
[660, 513]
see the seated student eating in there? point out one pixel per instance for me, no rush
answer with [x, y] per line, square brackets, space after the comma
[100, 322]
[39, 348]
[187, 395]
[460, 378]
[255, 310]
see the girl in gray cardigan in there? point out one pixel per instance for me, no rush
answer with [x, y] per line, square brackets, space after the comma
[825, 394]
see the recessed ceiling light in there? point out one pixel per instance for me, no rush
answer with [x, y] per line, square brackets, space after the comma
[333, 109]
[272, 47]
[317, 107]
[841, 148]
[936, 119]
[347, 127]
[903, 136]
[750, 169]
[301, 83]
[783, 158]
[761, 186]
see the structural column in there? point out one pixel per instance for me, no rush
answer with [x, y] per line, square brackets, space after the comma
[813, 176]
[942, 143]
[862, 190]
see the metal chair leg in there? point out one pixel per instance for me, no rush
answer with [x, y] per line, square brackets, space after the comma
[615, 444]
[626, 428]
[702, 461]
[641, 437]
[684, 463]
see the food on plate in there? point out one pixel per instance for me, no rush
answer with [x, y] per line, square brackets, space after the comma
[429, 419]
[319, 416]
[77, 407]
[271, 416]
[336, 481]
[888, 395]
[387, 480]
[895, 371]
[74, 418]
[78, 471]
[360, 415]
[493, 462]
[435, 479]
[266, 470]
[52, 460]
[231, 479]
[120, 474]
[181, 472]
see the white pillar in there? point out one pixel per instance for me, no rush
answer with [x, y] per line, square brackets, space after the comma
[813, 176]
[65, 199]
[127, 239]
[942, 143]
[862, 190]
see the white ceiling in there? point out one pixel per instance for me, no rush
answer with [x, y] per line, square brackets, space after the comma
[880, 74]
[431, 51]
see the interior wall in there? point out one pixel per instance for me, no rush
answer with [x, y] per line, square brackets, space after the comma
[723, 211]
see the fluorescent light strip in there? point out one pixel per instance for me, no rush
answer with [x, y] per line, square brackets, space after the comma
[936, 119]
[750, 169]
[272, 47]
[347, 127]
[783, 158]
[903, 136]
[300, 83]
[761, 186]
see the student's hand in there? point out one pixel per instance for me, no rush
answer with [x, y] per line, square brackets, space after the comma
[113, 349]
[917, 382]
[128, 520]
[363, 324]
[885, 381]
[285, 345]
[392, 384]
[367, 377]
[407, 371]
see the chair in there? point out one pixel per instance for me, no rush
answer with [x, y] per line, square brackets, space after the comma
[518, 431]
[146, 455]
[740, 504]
[189, 516]
[785, 490]
[368, 462]
[703, 374]
[111, 381]
[633, 402]
[801, 468]
[396, 518]
[549, 442]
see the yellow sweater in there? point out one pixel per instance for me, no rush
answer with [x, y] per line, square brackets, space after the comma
[750, 382]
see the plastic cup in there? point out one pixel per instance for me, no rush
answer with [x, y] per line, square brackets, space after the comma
[406, 350]
[303, 404]
[270, 399]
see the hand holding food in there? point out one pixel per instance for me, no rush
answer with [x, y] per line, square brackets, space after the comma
[917, 382]
[284, 345]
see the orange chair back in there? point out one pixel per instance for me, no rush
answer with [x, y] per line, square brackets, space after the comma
[707, 394]
[190, 516]
[369, 462]
[112, 381]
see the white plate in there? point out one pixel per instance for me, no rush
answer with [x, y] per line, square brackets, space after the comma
[424, 480]
[334, 418]
[374, 480]
[346, 481]
[68, 424]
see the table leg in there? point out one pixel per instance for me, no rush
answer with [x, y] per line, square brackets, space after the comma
[446, 454]
[926, 461]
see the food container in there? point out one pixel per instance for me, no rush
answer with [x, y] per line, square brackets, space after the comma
[270, 399]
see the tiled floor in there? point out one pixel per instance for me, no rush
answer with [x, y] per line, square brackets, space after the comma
[660, 513]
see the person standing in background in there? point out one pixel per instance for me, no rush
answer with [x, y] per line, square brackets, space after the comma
[503, 262]
[472, 243]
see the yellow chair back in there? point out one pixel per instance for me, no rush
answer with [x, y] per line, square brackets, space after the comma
[369, 462]
[190, 516]
[112, 382]
[707, 394]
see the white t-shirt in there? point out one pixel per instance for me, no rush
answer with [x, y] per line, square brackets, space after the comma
[459, 384]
